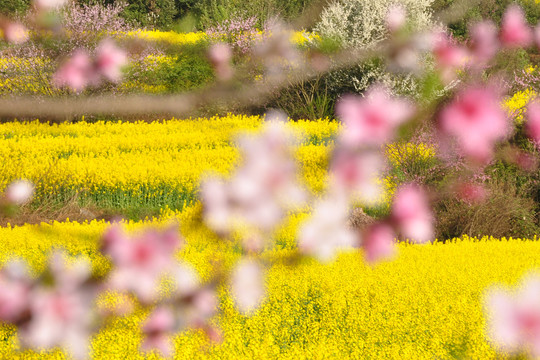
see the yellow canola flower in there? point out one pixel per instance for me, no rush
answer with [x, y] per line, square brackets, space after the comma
[426, 304]
[175, 38]
[122, 164]
[170, 37]
[516, 104]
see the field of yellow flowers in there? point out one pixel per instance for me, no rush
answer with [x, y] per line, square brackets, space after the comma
[122, 165]
[154, 164]
[426, 304]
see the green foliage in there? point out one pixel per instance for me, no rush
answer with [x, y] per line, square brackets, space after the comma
[151, 13]
[189, 69]
[506, 212]
[14, 7]
[213, 12]
[306, 100]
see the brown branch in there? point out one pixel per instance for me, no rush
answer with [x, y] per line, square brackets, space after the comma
[185, 104]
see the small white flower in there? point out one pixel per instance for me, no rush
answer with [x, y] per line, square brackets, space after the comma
[19, 192]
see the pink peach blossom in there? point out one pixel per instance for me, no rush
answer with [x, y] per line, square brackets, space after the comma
[142, 261]
[485, 43]
[15, 33]
[396, 18]
[532, 126]
[49, 4]
[536, 36]
[412, 214]
[247, 285]
[76, 73]
[220, 56]
[378, 243]
[157, 330]
[19, 192]
[357, 173]
[263, 188]
[477, 120]
[61, 314]
[449, 56]
[15, 291]
[109, 60]
[515, 32]
[471, 193]
[327, 231]
[373, 119]
[513, 318]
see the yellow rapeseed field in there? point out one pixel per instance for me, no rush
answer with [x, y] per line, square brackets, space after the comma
[156, 164]
[426, 304]
[175, 38]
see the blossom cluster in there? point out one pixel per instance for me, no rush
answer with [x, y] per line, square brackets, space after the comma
[80, 70]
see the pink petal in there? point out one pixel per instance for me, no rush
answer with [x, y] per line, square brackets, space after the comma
[515, 32]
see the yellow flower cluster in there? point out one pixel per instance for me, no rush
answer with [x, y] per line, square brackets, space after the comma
[397, 153]
[115, 164]
[120, 164]
[170, 37]
[175, 38]
[25, 76]
[426, 304]
[515, 105]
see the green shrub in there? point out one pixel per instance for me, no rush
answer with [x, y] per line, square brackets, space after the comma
[309, 100]
[188, 69]
[14, 7]
[213, 12]
[506, 212]
[151, 13]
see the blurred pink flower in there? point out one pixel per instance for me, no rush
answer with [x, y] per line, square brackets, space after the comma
[412, 214]
[532, 126]
[110, 59]
[327, 231]
[378, 242]
[471, 193]
[58, 319]
[373, 119]
[513, 318]
[205, 303]
[220, 56]
[49, 4]
[142, 261]
[19, 192]
[61, 314]
[157, 330]
[263, 188]
[485, 43]
[357, 173]
[76, 72]
[396, 17]
[15, 290]
[247, 285]
[186, 279]
[515, 32]
[536, 36]
[15, 33]
[477, 120]
[448, 55]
